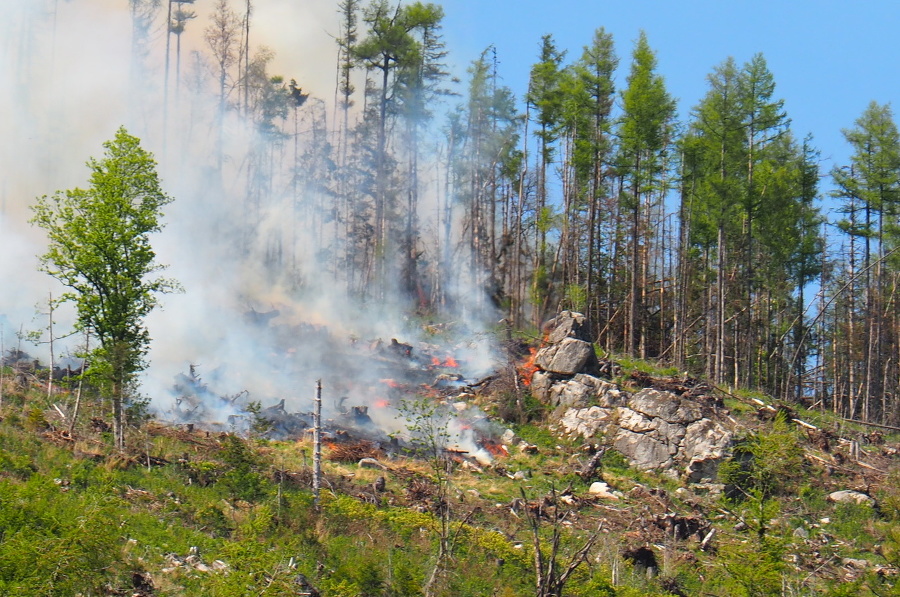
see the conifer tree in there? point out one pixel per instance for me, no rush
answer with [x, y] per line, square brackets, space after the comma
[645, 137]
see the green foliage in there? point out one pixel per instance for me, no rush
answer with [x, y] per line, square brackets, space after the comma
[99, 248]
[259, 425]
[537, 434]
[241, 478]
[576, 297]
[35, 420]
[211, 519]
[889, 497]
[614, 460]
[16, 465]
[754, 568]
[203, 473]
[856, 522]
[765, 464]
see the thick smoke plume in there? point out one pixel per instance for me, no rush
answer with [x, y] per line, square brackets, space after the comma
[267, 308]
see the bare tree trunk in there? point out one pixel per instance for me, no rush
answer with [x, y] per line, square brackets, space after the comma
[87, 339]
[118, 414]
[52, 357]
[317, 444]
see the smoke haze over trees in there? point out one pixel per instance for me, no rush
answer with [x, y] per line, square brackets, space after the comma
[354, 182]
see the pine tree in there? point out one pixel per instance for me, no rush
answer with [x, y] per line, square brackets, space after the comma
[645, 137]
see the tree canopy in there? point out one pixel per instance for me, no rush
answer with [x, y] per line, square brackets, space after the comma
[99, 248]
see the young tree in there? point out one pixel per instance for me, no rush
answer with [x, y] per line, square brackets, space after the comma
[99, 247]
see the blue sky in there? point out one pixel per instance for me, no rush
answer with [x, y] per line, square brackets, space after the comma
[829, 58]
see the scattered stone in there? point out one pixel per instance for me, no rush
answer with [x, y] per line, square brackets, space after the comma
[568, 324]
[801, 533]
[509, 438]
[372, 463]
[848, 496]
[527, 448]
[859, 564]
[601, 490]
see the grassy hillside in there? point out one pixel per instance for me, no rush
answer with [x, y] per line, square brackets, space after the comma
[201, 513]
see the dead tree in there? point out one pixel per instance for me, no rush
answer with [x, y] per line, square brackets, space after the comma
[550, 574]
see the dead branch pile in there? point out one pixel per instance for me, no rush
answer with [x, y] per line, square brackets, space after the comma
[348, 452]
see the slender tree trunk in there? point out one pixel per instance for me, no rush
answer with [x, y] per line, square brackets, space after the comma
[317, 444]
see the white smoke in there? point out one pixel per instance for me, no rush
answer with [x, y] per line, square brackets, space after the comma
[72, 78]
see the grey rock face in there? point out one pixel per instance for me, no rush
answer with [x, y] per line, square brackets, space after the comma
[568, 357]
[654, 430]
[586, 422]
[568, 324]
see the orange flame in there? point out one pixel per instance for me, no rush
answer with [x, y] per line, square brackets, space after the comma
[435, 362]
[451, 362]
[495, 449]
[390, 383]
[526, 371]
[382, 403]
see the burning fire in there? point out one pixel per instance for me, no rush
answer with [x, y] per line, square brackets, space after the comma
[391, 383]
[448, 362]
[382, 403]
[495, 449]
[526, 371]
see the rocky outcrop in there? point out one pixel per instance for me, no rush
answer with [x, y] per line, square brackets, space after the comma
[567, 347]
[567, 357]
[652, 429]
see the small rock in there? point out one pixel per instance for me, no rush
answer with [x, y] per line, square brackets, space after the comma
[520, 476]
[371, 463]
[601, 490]
[471, 466]
[801, 533]
[509, 438]
[527, 448]
[741, 526]
[848, 496]
[855, 563]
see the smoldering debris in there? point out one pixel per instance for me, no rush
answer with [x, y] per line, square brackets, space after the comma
[383, 390]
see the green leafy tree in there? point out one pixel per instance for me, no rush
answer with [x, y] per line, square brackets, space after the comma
[99, 248]
[429, 437]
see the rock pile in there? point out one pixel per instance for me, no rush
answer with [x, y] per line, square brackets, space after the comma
[652, 429]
